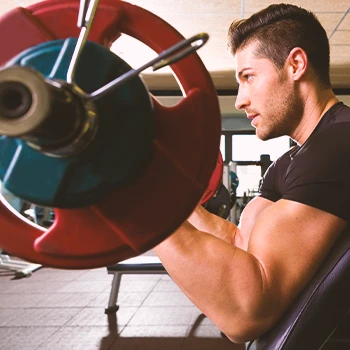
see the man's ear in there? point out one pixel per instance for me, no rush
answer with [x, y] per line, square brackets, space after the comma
[297, 62]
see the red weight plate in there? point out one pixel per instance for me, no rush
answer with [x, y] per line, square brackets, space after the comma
[215, 180]
[185, 150]
[52, 20]
[13, 26]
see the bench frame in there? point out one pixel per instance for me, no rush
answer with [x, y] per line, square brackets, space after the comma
[142, 264]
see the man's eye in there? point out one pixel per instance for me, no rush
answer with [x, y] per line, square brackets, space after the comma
[247, 77]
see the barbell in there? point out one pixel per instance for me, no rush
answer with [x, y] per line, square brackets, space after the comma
[121, 170]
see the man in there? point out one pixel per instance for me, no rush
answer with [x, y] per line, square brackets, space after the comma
[244, 278]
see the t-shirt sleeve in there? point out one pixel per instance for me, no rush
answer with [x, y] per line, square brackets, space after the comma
[271, 186]
[319, 174]
[267, 187]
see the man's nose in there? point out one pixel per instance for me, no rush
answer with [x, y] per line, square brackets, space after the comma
[242, 99]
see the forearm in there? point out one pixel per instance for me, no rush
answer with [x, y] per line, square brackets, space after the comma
[204, 221]
[223, 281]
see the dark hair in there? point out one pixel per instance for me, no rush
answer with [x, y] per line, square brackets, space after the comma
[278, 29]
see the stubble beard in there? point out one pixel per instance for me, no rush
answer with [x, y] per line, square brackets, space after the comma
[282, 117]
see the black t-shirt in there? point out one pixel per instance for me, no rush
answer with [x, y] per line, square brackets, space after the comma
[318, 172]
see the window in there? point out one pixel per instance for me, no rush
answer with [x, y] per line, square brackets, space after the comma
[250, 147]
[222, 146]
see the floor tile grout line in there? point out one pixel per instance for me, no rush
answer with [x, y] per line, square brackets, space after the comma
[138, 308]
[117, 337]
[41, 343]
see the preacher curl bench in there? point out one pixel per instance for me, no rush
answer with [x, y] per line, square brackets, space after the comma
[319, 318]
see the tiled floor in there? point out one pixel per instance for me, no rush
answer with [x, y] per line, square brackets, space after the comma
[64, 310]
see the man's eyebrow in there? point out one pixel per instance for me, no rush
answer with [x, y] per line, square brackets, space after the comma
[240, 73]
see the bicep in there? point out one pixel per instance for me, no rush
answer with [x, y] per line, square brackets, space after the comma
[290, 240]
[248, 219]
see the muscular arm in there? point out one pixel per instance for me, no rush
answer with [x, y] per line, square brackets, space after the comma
[245, 285]
[202, 220]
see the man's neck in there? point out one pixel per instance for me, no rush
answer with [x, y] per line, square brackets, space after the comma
[316, 105]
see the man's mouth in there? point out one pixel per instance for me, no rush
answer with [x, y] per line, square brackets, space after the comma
[251, 116]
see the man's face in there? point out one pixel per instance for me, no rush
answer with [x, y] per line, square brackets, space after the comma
[267, 95]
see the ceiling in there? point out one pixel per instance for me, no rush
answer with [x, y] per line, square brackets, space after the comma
[190, 17]
[215, 16]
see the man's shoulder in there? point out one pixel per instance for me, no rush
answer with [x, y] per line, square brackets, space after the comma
[332, 135]
[338, 113]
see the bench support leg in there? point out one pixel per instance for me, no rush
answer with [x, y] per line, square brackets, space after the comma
[112, 303]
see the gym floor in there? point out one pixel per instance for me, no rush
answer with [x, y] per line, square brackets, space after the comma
[64, 310]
